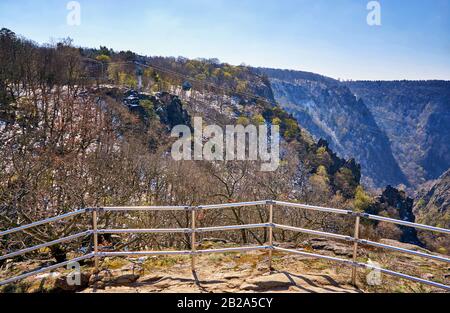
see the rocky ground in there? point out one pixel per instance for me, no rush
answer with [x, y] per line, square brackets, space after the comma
[236, 272]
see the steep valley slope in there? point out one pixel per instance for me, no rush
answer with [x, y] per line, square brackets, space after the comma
[399, 131]
[329, 110]
[415, 115]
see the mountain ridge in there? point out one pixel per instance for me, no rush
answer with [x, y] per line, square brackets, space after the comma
[398, 160]
[329, 110]
[415, 116]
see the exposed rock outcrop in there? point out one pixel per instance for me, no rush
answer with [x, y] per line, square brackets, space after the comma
[337, 248]
[166, 106]
[432, 207]
[62, 283]
[396, 204]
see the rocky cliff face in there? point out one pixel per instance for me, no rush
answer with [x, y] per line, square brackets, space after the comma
[395, 204]
[329, 110]
[416, 118]
[167, 107]
[433, 205]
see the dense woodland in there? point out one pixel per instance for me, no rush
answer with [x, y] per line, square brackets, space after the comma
[67, 141]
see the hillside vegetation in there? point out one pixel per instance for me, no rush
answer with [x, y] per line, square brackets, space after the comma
[76, 132]
[433, 208]
[74, 137]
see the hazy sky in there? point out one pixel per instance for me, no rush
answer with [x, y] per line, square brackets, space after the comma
[329, 37]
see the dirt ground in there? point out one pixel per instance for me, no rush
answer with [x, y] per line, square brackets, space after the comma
[238, 273]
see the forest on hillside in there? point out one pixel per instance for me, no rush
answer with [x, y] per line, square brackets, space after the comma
[67, 141]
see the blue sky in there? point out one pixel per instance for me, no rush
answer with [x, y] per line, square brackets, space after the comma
[329, 37]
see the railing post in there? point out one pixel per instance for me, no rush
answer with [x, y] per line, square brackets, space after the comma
[95, 237]
[270, 234]
[355, 249]
[193, 248]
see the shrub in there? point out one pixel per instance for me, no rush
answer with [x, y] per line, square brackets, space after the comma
[362, 200]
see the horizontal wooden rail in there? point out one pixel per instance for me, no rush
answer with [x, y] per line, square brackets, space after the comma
[405, 223]
[44, 245]
[313, 232]
[312, 208]
[142, 253]
[144, 231]
[232, 227]
[398, 249]
[144, 208]
[46, 221]
[364, 265]
[46, 269]
[234, 249]
[362, 241]
[232, 205]
[181, 252]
